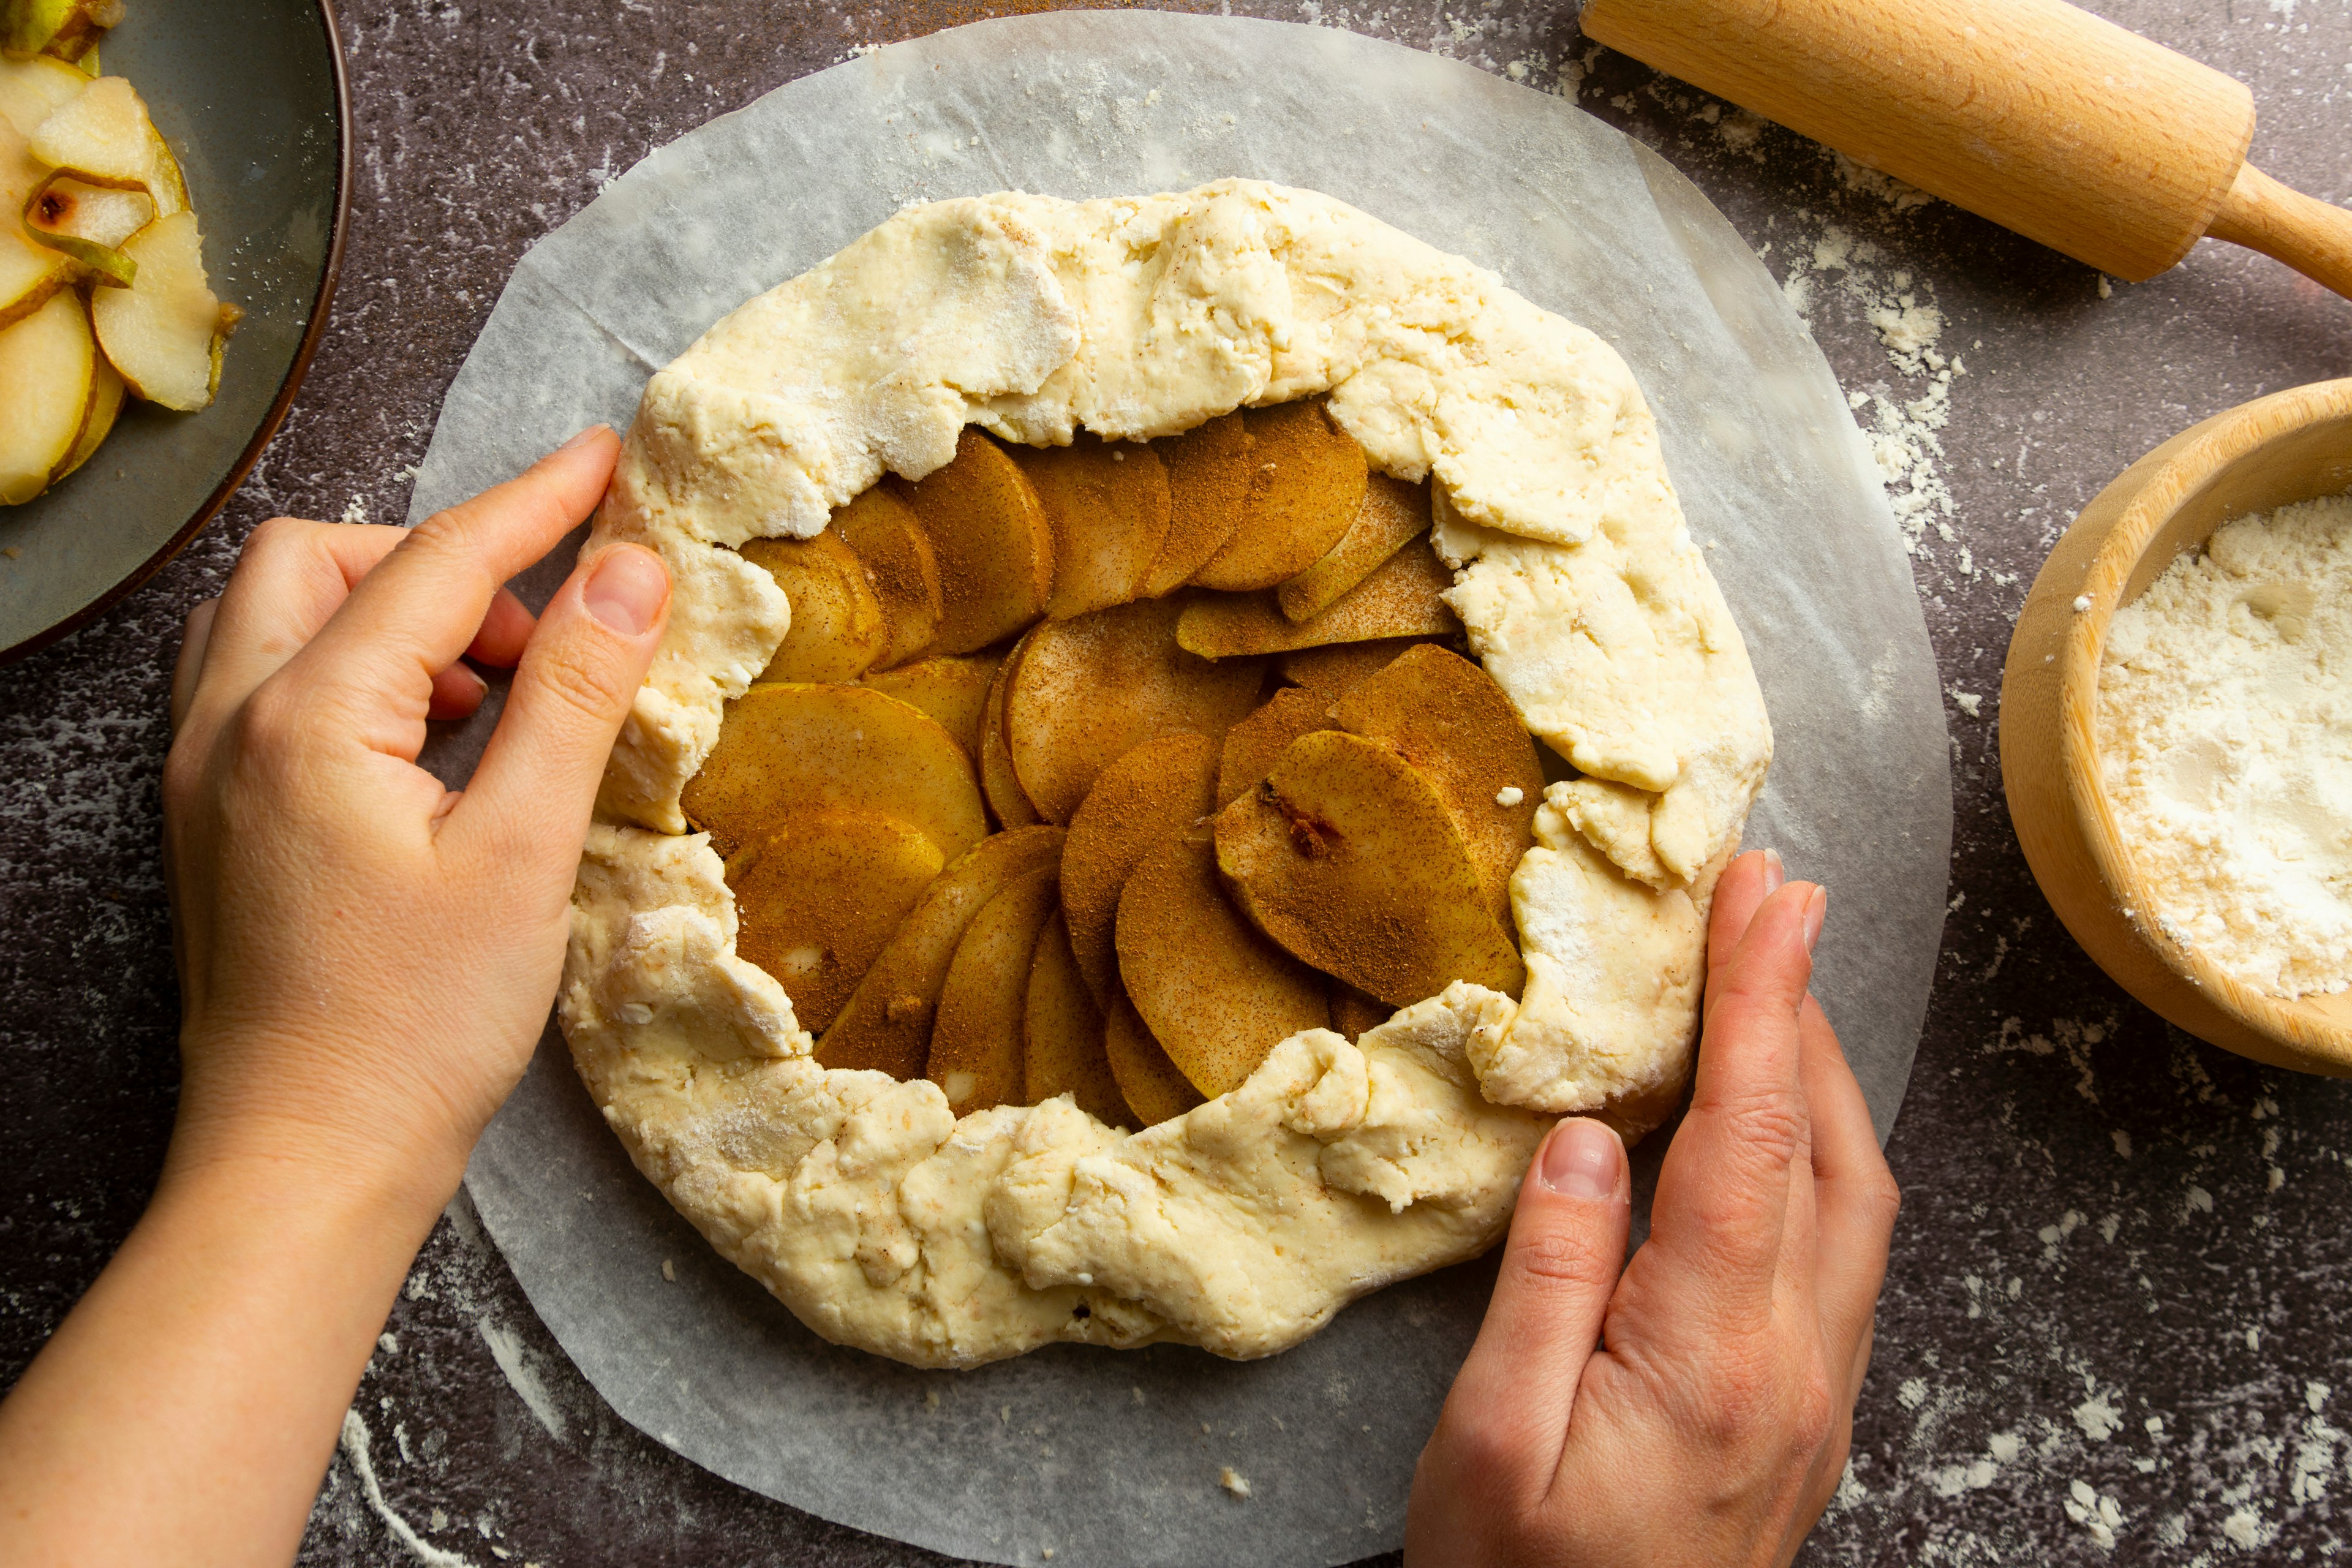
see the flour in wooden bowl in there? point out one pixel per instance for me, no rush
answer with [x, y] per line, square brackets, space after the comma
[2225, 746]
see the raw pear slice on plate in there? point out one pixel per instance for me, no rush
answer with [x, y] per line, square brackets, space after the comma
[106, 396]
[32, 90]
[47, 363]
[29, 272]
[164, 332]
[89, 223]
[63, 30]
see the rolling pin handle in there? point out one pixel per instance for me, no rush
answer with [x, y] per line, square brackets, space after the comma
[2312, 236]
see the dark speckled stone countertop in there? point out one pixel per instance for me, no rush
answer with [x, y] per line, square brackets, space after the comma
[2112, 1309]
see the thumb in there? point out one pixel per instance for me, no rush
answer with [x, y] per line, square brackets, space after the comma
[1560, 1269]
[537, 783]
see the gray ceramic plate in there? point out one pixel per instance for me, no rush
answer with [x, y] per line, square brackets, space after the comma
[250, 95]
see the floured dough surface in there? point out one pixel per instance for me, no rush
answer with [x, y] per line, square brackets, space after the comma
[1242, 1226]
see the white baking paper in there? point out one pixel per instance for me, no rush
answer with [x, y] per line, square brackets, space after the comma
[1104, 1456]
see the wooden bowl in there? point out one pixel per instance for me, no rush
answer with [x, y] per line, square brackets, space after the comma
[2290, 446]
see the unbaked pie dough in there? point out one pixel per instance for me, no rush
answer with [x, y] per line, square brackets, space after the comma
[876, 1215]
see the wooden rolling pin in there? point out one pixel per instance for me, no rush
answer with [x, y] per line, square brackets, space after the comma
[2030, 112]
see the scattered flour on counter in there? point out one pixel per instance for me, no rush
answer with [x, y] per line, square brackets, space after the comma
[2225, 740]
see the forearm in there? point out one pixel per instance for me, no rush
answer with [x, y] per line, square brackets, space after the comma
[186, 1410]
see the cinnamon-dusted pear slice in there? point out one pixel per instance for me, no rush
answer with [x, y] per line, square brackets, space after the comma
[1013, 807]
[1252, 746]
[978, 1041]
[885, 1026]
[1147, 1080]
[1446, 717]
[1398, 600]
[1084, 691]
[1208, 490]
[1347, 857]
[1353, 1012]
[900, 565]
[1062, 1033]
[1335, 668]
[838, 627]
[1306, 482]
[954, 690]
[817, 900]
[1150, 793]
[1216, 995]
[783, 749]
[1392, 515]
[995, 548]
[1108, 504]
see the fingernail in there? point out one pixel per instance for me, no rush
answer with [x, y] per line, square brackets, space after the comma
[583, 437]
[1774, 872]
[1579, 1161]
[626, 589]
[1817, 910]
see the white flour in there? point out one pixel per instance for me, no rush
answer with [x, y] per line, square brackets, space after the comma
[2225, 739]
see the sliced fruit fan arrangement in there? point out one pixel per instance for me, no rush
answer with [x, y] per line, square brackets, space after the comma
[1104, 768]
[103, 289]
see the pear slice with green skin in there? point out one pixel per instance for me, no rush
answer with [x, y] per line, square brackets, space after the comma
[1306, 484]
[60, 29]
[1062, 1034]
[785, 749]
[1010, 805]
[1215, 993]
[1446, 717]
[951, 689]
[29, 271]
[1252, 746]
[1151, 793]
[106, 396]
[164, 332]
[89, 223]
[1208, 490]
[47, 362]
[1393, 514]
[1154, 1090]
[817, 901]
[885, 1026]
[979, 1041]
[838, 627]
[1084, 691]
[32, 89]
[904, 569]
[995, 547]
[1399, 599]
[1108, 504]
[1347, 857]
[1334, 669]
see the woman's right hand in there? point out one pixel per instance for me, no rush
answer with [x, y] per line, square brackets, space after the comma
[1698, 1407]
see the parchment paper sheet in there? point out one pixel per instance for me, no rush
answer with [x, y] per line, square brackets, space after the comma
[1110, 1457]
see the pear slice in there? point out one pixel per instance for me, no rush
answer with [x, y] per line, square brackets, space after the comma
[1400, 599]
[164, 332]
[952, 690]
[1337, 669]
[788, 749]
[1306, 484]
[995, 547]
[47, 362]
[1006, 798]
[900, 563]
[1062, 1034]
[1347, 857]
[106, 395]
[61, 29]
[885, 1026]
[89, 223]
[1084, 691]
[1446, 717]
[33, 88]
[1252, 746]
[1215, 993]
[838, 627]
[1353, 1012]
[1154, 1090]
[816, 902]
[1392, 515]
[1208, 490]
[29, 275]
[1150, 793]
[1109, 503]
[979, 1041]
[102, 135]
